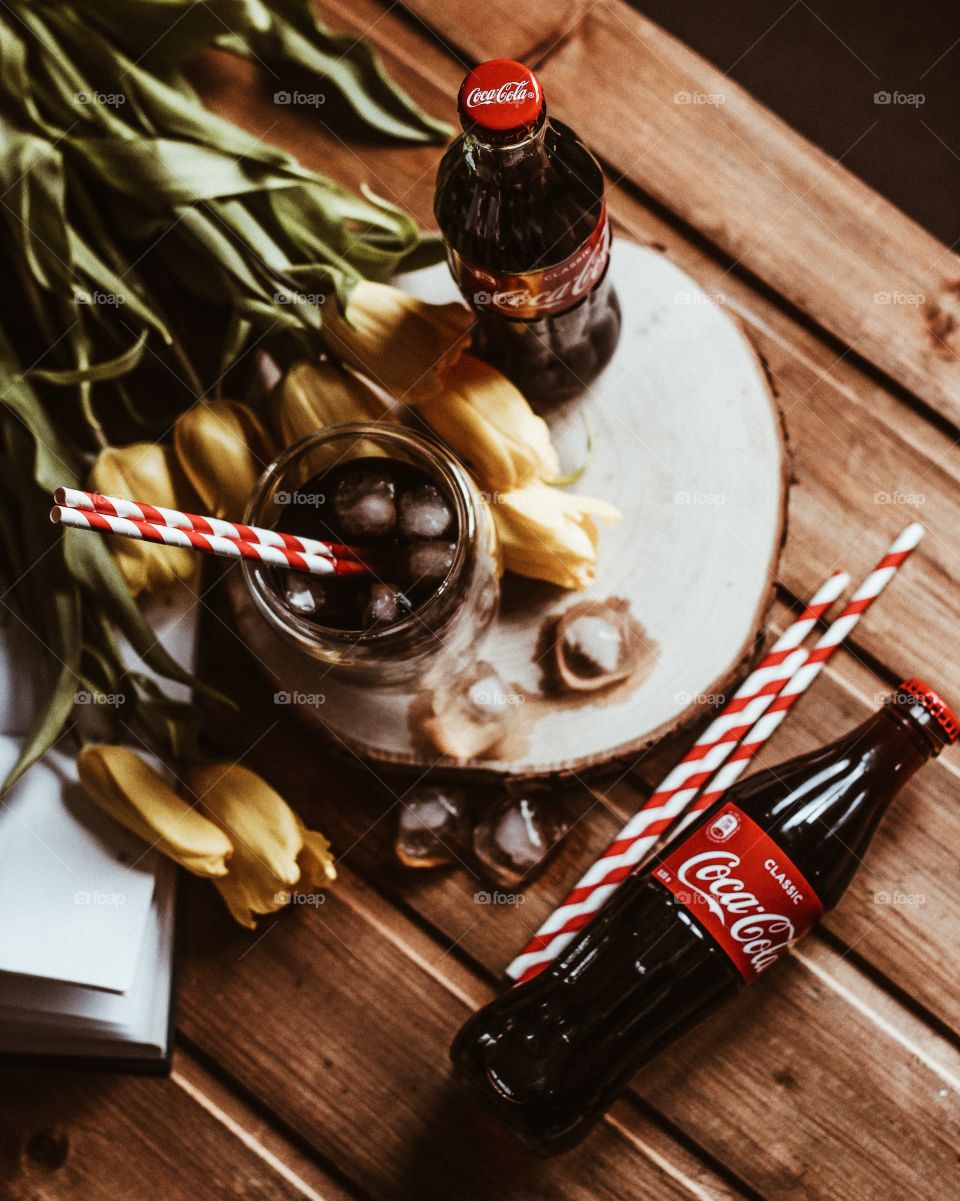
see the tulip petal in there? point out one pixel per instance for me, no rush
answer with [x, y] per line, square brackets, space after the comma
[316, 861]
[149, 472]
[271, 845]
[550, 534]
[132, 793]
[403, 344]
[312, 396]
[487, 421]
[223, 450]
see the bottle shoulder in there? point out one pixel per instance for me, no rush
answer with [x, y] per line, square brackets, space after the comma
[531, 214]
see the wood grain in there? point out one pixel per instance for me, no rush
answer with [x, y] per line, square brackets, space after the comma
[87, 1136]
[818, 1083]
[527, 32]
[902, 912]
[784, 1052]
[344, 1035]
[703, 148]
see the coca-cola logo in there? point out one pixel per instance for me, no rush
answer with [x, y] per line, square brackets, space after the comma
[540, 292]
[742, 887]
[762, 934]
[724, 828]
[514, 91]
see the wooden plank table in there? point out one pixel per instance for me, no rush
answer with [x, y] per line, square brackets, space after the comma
[312, 1055]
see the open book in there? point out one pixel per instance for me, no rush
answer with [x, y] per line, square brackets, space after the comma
[86, 908]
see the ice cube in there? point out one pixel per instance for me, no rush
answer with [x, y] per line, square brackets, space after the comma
[597, 641]
[365, 505]
[488, 697]
[433, 826]
[305, 594]
[387, 603]
[514, 838]
[424, 513]
[470, 712]
[429, 562]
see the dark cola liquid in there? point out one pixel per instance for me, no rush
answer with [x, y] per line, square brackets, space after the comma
[397, 517]
[552, 1054]
[515, 210]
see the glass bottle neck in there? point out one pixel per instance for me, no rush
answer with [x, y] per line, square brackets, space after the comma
[492, 158]
[918, 727]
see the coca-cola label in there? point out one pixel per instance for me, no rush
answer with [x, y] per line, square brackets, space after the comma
[514, 91]
[742, 888]
[537, 293]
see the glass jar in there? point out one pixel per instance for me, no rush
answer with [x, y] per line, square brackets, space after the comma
[442, 631]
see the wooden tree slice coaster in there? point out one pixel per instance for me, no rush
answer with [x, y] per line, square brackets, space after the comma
[687, 442]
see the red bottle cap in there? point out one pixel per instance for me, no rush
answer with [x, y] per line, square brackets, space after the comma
[935, 705]
[500, 95]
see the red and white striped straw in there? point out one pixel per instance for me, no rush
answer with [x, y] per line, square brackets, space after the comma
[211, 544]
[795, 674]
[677, 788]
[808, 671]
[114, 506]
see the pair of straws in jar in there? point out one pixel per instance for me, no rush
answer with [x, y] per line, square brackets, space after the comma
[719, 755]
[209, 535]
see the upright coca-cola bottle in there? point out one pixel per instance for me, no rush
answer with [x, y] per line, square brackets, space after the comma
[520, 204]
[711, 912]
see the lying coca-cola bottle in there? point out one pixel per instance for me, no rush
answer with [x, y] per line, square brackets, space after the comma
[710, 913]
[520, 204]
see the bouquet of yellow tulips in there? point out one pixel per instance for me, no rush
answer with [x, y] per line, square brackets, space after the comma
[100, 385]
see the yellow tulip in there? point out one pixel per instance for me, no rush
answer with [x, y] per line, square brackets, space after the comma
[403, 344]
[314, 395]
[223, 450]
[273, 850]
[487, 422]
[550, 534]
[316, 862]
[136, 796]
[148, 472]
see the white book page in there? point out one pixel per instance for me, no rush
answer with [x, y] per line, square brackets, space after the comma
[75, 887]
[48, 1016]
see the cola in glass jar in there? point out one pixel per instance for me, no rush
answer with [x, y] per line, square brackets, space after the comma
[712, 912]
[520, 203]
